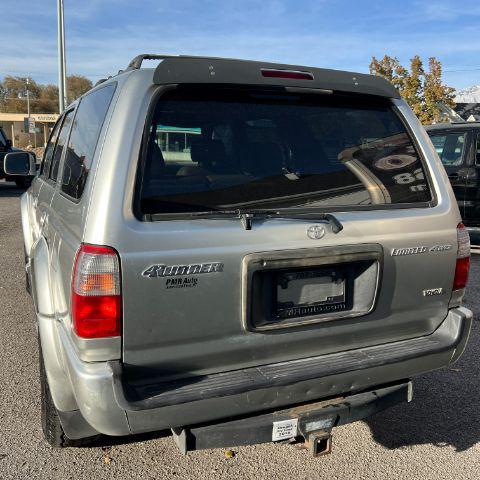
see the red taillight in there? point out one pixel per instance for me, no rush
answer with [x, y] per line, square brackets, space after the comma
[463, 258]
[96, 298]
[298, 75]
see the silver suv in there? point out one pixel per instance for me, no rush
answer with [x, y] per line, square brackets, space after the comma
[240, 252]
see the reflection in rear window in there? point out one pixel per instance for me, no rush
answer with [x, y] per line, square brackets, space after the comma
[215, 149]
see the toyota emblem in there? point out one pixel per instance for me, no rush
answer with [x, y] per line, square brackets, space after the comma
[315, 232]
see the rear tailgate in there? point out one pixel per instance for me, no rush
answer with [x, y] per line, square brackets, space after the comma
[206, 295]
[197, 323]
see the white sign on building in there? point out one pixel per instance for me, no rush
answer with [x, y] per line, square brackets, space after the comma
[31, 125]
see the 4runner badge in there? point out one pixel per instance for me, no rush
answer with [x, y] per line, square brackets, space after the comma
[155, 271]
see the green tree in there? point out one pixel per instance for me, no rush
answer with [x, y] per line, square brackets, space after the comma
[43, 98]
[48, 100]
[413, 86]
[389, 68]
[13, 94]
[422, 90]
[77, 85]
[435, 91]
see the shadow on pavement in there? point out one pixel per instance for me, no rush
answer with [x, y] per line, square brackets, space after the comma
[106, 442]
[8, 189]
[445, 410]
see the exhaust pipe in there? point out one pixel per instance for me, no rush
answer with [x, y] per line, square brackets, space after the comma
[319, 443]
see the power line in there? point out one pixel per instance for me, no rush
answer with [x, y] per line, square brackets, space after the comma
[41, 74]
[463, 70]
[31, 99]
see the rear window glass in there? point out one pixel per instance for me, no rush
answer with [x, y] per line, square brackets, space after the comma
[83, 140]
[449, 146]
[222, 149]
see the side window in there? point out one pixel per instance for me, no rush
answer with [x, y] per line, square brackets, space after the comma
[48, 155]
[83, 140]
[449, 147]
[62, 140]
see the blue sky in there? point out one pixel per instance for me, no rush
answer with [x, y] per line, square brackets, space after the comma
[103, 35]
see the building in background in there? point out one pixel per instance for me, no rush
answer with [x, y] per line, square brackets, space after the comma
[16, 128]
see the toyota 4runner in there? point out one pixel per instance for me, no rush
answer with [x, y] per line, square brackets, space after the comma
[240, 252]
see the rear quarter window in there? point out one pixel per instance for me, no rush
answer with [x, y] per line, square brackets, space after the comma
[50, 148]
[86, 129]
[60, 145]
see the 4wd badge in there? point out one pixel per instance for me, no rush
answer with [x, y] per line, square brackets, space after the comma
[432, 292]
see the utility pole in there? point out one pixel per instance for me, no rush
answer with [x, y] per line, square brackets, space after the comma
[28, 113]
[28, 98]
[62, 76]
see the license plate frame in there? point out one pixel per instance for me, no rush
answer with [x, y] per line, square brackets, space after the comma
[318, 291]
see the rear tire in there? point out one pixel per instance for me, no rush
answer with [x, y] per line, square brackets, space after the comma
[51, 426]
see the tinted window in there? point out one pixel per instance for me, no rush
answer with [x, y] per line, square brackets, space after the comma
[62, 140]
[223, 149]
[83, 140]
[450, 147]
[48, 155]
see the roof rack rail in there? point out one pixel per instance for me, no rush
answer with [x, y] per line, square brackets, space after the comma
[136, 63]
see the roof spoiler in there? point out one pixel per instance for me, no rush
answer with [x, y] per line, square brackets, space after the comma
[215, 70]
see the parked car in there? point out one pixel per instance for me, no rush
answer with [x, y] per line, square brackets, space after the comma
[458, 146]
[22, 181]
[240, 252]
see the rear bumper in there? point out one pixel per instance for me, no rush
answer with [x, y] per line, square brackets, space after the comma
[113, 407]
[311, 418]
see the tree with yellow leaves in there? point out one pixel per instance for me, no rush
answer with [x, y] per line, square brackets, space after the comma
[422, 90]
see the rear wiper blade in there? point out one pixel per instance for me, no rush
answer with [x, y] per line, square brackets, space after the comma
[326, 217]
[247, 216]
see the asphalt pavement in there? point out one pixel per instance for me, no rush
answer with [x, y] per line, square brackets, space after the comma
[437, 436]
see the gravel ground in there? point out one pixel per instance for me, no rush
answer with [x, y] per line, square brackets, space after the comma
[435, 437]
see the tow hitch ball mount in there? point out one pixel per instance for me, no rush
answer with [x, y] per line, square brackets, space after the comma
[319, 443]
